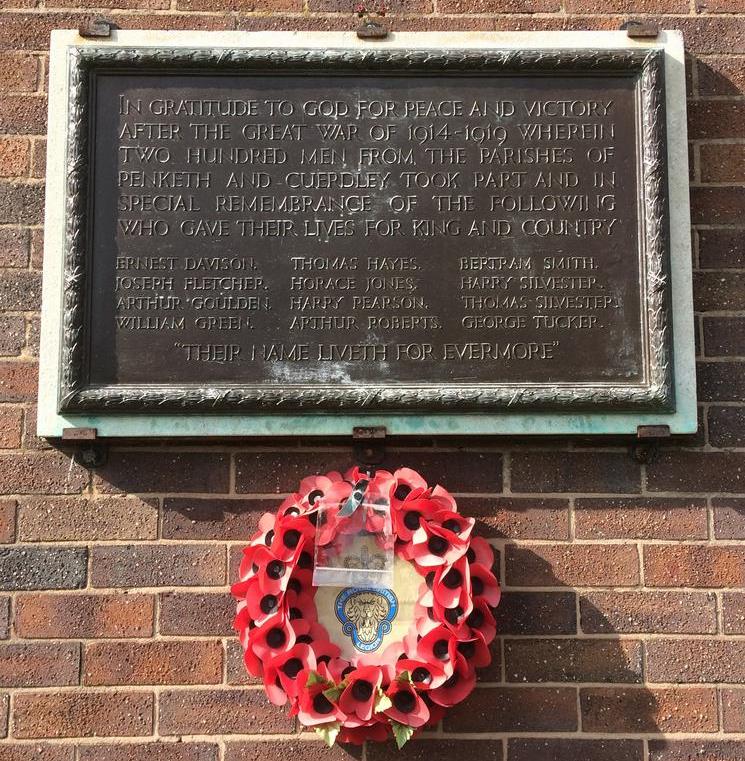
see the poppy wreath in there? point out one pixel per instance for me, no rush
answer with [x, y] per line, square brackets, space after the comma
[412, 682]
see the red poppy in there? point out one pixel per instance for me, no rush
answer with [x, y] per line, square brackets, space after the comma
[480, 552]
[433, 544]
[280, 673]
[458, 686]
[451, 586]
[481, 621]
[424, 675]
[439, 647]
[375, 731]
[360, 693]
[409, 515]
[291, 535]
[313, 707]
[408, 707]
[484, 585]
[274, 636]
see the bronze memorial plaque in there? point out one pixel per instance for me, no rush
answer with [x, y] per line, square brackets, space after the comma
[367, 231]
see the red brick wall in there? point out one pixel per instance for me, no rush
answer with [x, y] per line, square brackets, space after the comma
[624, 612]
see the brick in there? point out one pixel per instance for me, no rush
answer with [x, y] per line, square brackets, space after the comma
[219, 712]
[718, 291]
[15, 156]
[224, 519]
[23, 114]
[18, 381]
[733, 612]
[19, 290]
[7, 521]
[82, 714]
[50, 519]
[12, 335]
[720, 381]
[140, 5]
[198, 614]
[576, 565]
[37, 752]
[694, 566]
[34, 336]
[720, 75]
[695, 661]
[518, 518]
[723, 336]
[726, 426]
[567, 660]
[37, 248]
[722, 163]
[733, 710]
[536, 613]
[84, 616]
[168, 471]
[396, 6]
[4, 707]
[150, 751]
[39, 664]
[50, 472]
[18, 72]
[717, 205]
[39, 158]
[14, 248]
[638, 709]
[158, 566]
[235, 668]
[23, 567]
[697, 472]
[640, 518]
[629, 6]
[713, 119]
[246, 6]
[574, 750]
[300, 750]
[696, 750]
[498, 6]
[521, 709]
[132, 663]
[721, 248]
[459, 471]
[729, 518]
[651, 612]
[574, 472]
[718, 6]
[4, 617]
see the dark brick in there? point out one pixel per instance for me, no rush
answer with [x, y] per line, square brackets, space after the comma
[39, 665]
[724, 336]
[729, 518]
[726, 426]
[733, 612]
[694, 565]
[20, 290]
[566, 660]
[641, 518]
[37, 752]
[720, 381]
[537, 613]
[733, 710]
[150, 751]
[722, 162]
[585, 565]
[431, 749]
[717, 291]
[521, 709]
[50, 472]
[82, 714]
[696, 750]
[219, 712]
[226, 519]
[695, 660]
[498, 6]
[7, 521]
[721, 249]
[133, 663]
[396, 6]
[87, 616]
[4, 708]
[247, 6]
[525, 518]
[236, 669]
[652, 612]
[709, 119]
[575, 750]
[168, 471]
[717, 205]
[697, 472]
[300, 750]
[4, 617]
[14, 250]
[199, 614]
[574, 472]
[24, 567]
[21, 204]
[638, 709]
[158, 565]
[23, 114]
[720, 75]
[12, 335]
[49, 519]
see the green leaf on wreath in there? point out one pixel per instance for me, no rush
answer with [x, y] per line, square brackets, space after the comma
[329, 732]
[315, 678]
[382, 702]
[405, 676]
[402, 733]
[333, 693]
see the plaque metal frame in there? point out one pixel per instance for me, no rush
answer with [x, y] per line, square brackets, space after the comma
[665, 393]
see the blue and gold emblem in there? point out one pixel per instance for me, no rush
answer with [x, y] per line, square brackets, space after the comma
[366, 615]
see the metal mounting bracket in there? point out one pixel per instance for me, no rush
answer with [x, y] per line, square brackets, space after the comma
[96, 27]
[635, 28]
[371, 29]
[646, 447]
[91, 451]
[369, 445]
